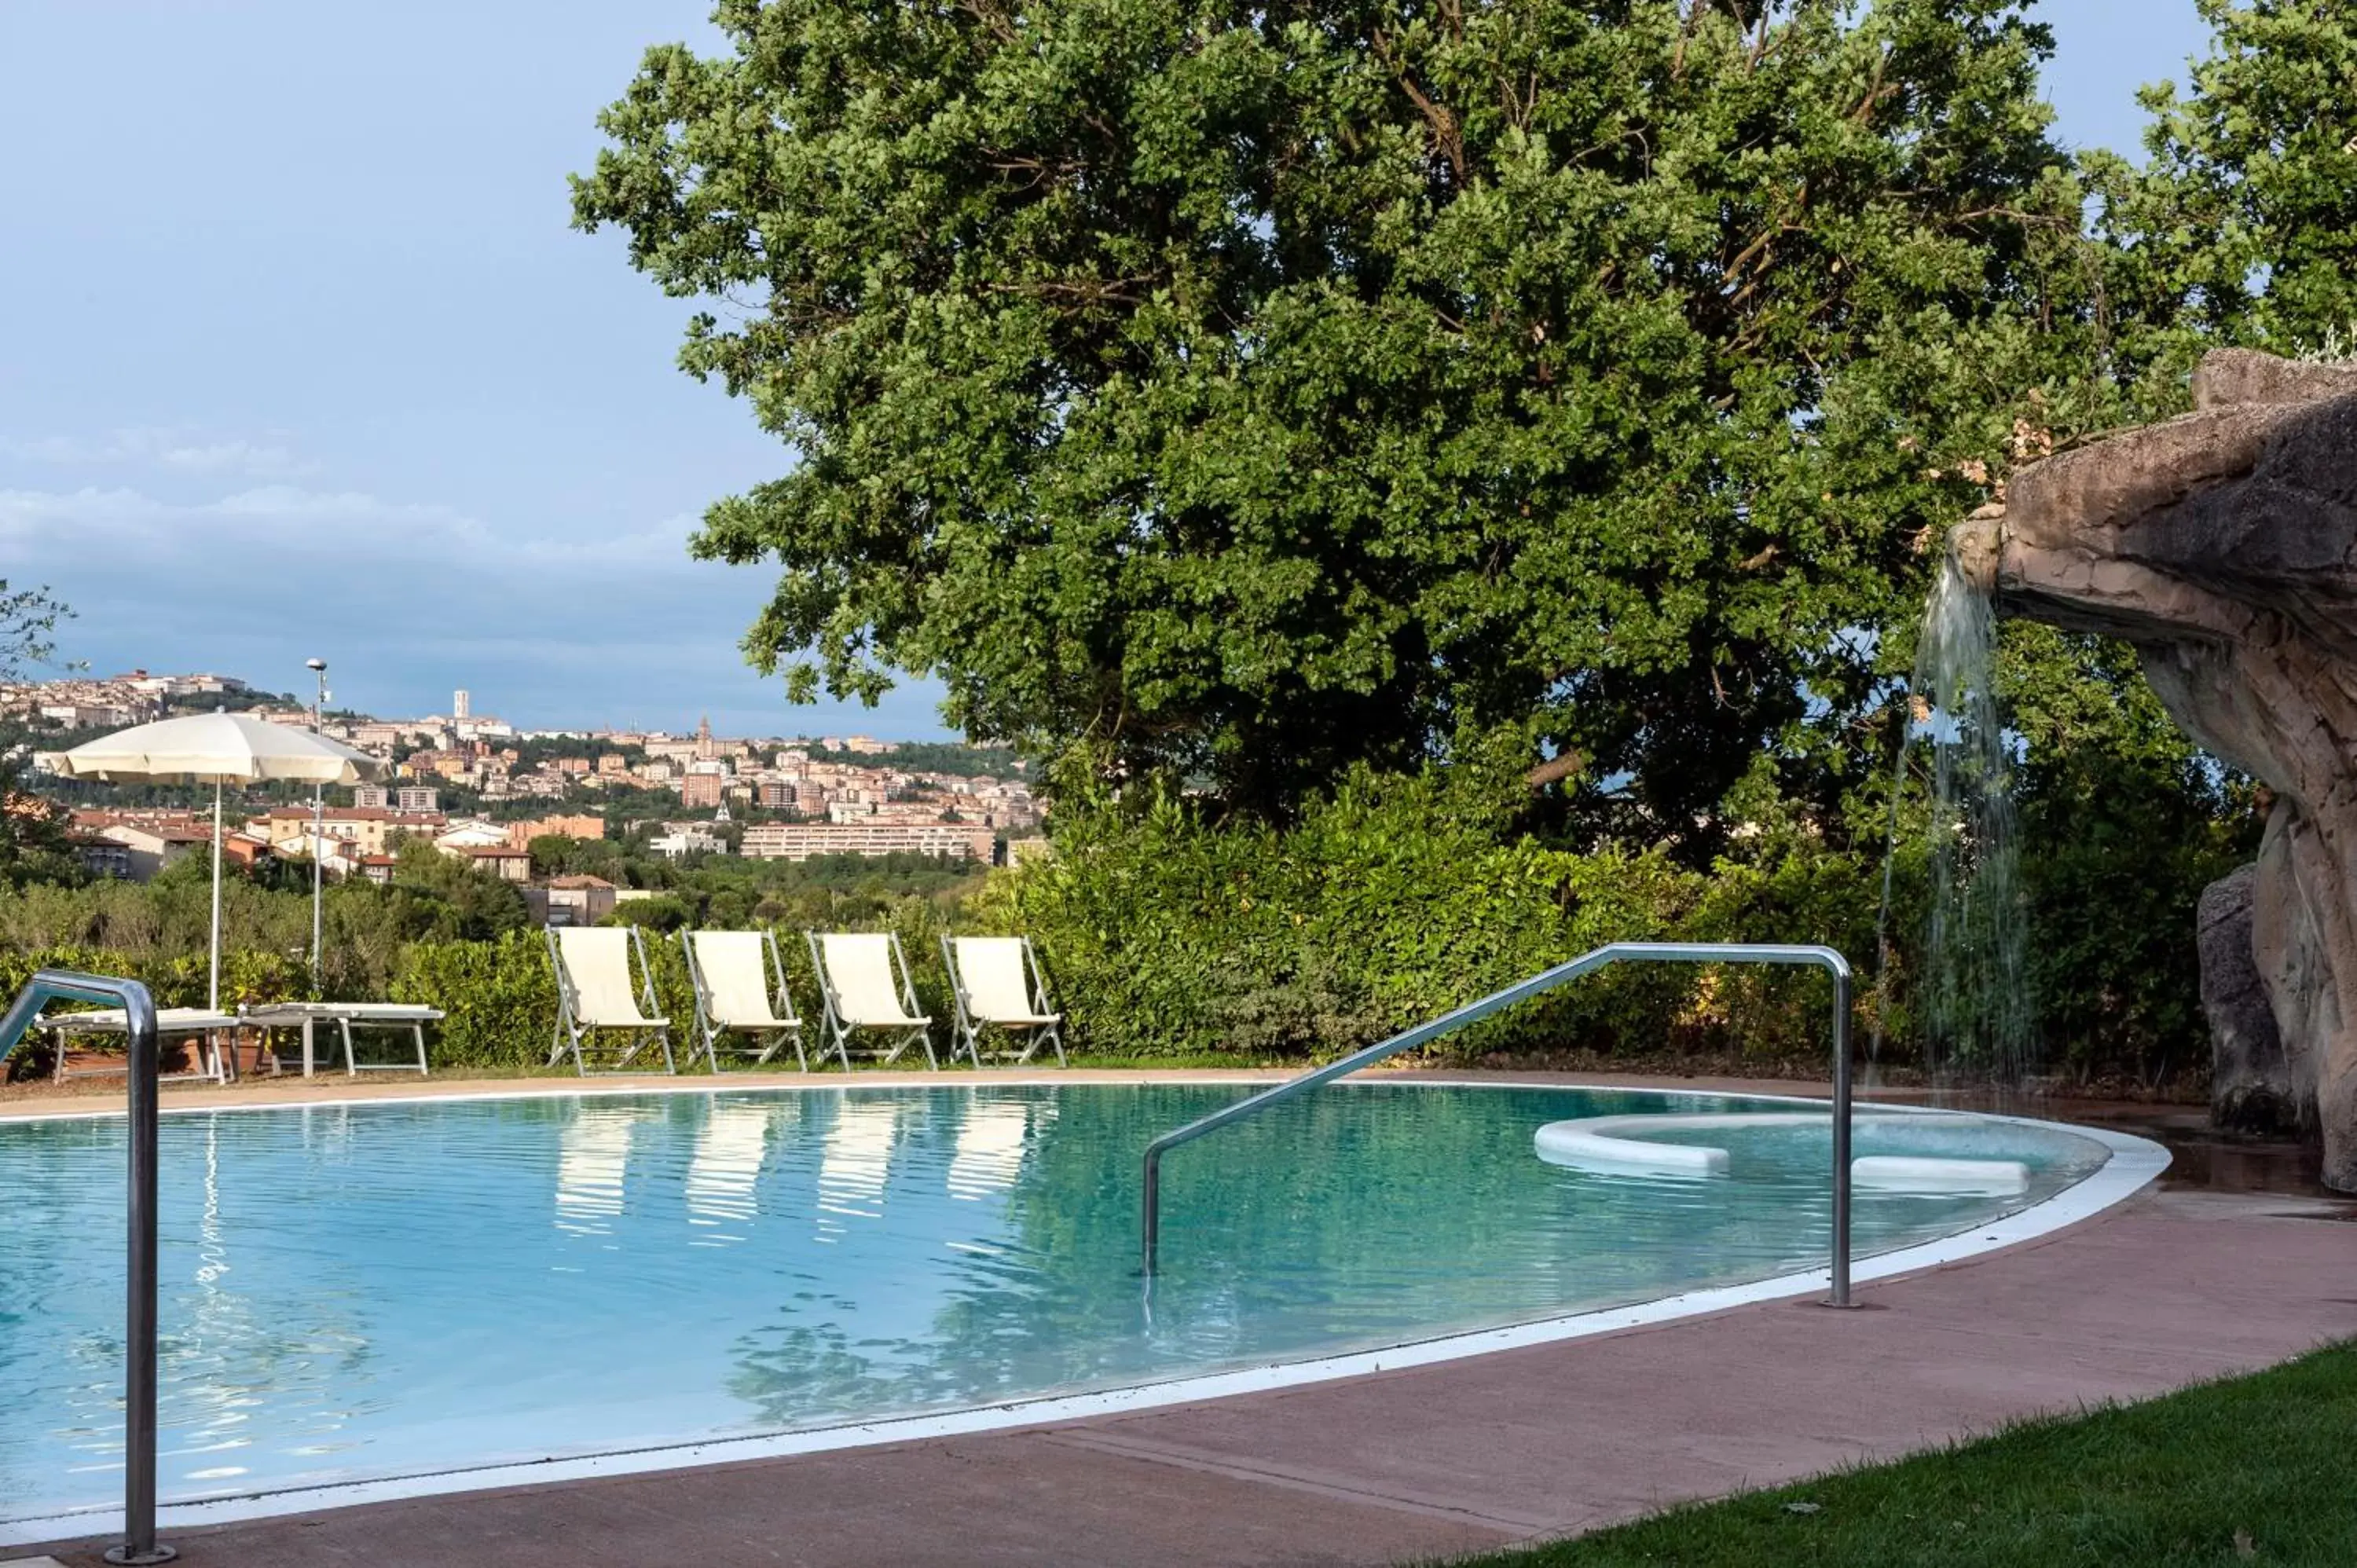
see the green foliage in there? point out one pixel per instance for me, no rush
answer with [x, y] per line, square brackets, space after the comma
[1390, 902]
[33, 844]
[935, 756]
[1253, 392]
[475, 904]
[176, 980]
[2243, 225]
[29, 621]
[2125, 821]
[499, 997]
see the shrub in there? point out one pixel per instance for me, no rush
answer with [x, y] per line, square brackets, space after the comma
[1390, 902]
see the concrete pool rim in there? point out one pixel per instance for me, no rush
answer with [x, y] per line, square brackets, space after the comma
[2131, 1163]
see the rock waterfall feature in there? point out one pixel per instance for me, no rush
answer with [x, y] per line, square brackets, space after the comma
[2223, 545]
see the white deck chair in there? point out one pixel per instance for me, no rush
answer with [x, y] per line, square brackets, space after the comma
[997, 984]
[740, 989]
[863, 982]
[594, 991]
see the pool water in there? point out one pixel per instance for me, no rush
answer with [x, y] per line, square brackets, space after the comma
[408, 1286]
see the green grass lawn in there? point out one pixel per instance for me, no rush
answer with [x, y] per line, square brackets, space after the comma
[2260, 1469]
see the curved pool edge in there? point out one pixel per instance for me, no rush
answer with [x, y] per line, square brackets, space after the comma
[2132, 1164]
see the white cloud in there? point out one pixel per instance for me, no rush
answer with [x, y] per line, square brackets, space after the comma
[547, 623]
[175, 449]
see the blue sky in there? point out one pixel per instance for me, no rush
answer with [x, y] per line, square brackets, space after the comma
[299, 357]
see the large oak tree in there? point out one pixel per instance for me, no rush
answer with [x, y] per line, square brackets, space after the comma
[1243, 391]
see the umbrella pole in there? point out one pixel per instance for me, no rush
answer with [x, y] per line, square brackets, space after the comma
[213, 987]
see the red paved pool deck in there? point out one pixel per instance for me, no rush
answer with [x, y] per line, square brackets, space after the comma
[2167, 1289]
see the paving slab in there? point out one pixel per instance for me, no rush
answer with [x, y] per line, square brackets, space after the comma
[2169, 1289]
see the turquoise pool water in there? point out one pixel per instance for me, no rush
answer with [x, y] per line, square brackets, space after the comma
[402, 1287]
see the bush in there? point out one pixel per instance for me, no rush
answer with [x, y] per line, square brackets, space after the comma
[1393, 901]
[176, 981]
[499, 997]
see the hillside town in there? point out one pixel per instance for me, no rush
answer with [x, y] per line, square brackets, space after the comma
[481, 790]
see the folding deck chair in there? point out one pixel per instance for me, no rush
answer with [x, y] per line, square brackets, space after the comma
[594, 991]
[740, 989]
[863, 982]
[997, 984]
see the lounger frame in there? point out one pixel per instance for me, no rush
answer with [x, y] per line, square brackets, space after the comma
[208, 1062]
[570, 1028]
[970, 1023]
[710, 1029]
[346, 1017]
[839, 1030]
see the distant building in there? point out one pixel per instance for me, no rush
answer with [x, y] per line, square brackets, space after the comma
[700, 790]
[371, 797]
[148, 847]
[521, 834]
[507, 864]
[462, 704]
[579, 901]
[370, 829]
[800, 841]
[418, 798]
[461, 838]
[182, 685]
[1023, 852]
[682, 838]
[102, 856]
[88, 715]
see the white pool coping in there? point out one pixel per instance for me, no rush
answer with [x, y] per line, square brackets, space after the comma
[2132, 1164]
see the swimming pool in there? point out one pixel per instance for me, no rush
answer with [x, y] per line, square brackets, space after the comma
[406, 1287]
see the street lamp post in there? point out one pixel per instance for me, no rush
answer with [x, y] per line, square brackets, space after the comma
[318, 667]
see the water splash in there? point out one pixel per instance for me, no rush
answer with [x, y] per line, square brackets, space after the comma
[1972, 997]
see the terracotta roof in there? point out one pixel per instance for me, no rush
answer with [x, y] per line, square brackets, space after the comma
[353, 814]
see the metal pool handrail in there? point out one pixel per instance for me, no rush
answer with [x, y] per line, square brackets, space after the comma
[48, 985]
[1586, 963]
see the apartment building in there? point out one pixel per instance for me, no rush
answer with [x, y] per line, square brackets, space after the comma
[800, 841]
[679, 840]
[508, 865]
[579, 901]
[370, 829]
[561, 825]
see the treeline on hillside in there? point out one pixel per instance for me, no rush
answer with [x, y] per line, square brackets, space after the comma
[933, 757]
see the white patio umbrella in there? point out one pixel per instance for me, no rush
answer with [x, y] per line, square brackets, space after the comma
[215, 749]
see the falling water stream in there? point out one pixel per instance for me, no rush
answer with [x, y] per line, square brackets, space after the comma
[1971, 992]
